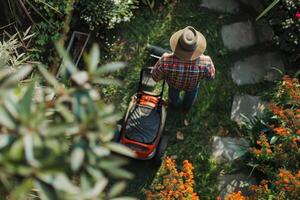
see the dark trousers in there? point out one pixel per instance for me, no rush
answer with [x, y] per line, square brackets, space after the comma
[188, 98]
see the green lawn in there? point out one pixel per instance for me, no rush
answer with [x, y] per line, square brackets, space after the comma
[211, 113]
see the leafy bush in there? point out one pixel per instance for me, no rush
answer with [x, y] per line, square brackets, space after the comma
[172, 184]
[105, 13]
[48, 26]
[55, 140]
[14, 51]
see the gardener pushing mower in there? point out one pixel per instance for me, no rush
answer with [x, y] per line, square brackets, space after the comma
[184, 67]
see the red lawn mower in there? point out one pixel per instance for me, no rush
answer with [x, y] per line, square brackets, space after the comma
[143, 124]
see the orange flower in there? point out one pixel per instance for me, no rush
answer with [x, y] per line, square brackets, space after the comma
[282, 131]
[235, 196]
[174, 184]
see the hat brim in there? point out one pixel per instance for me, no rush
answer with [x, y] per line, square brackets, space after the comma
[187, 55]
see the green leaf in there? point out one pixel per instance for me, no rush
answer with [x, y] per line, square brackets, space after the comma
[18, 76]
[119, 173]
[49, 77]
[77, 157]
[274, 139]
[107, 81]
[22, 190]
[110, 67]
[46, 192]
[117, 189]
[98, 189]
[25, 103]
[58, 129]
[29, 152]
[11, 107]
[62, 182]
[95, 173]
[121, 149]
[267, 9]
[6, 120]
[66, 113]
[5, 140]
[16, 150]
[94, 58]
[85, 182]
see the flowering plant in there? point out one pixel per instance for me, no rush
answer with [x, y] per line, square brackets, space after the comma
[276, 150]
[173, 184]
[285, 20]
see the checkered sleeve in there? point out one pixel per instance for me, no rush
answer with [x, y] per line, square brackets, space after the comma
[157, 71]
[210, 72]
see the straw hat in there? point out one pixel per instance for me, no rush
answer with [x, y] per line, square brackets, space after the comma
[188, 43]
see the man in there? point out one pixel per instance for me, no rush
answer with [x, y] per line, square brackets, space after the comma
[184, 68]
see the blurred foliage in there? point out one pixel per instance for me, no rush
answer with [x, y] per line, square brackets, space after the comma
[55, 141]
[105, 13]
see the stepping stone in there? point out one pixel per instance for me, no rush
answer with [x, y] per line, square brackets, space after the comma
[248, 106]
[235, 182]
[226, 149]
[229, 6]
[257, 68]
[254, 4]
[238, 35]
[264, 31]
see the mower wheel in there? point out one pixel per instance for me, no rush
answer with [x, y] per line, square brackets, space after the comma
[162, 145]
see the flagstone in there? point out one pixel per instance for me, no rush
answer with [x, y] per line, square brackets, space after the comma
[246, 106]
[255, 4]
[238, 35]
[226, 149]
[239, 181]
[229, 6]
[257, 68]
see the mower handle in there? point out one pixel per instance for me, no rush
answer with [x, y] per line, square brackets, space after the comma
[149, 69]
[156, 51]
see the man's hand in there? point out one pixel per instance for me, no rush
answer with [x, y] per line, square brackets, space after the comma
[166, 54]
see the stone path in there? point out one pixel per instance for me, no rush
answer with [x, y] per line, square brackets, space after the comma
[230, 6]
[245, 107]
[257, 68]
[238, 181]
[227, 149]
[250, 69]
[238, 35]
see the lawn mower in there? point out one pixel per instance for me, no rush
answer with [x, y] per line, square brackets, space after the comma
[143, 124]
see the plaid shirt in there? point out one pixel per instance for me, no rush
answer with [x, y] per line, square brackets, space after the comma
[183, 75]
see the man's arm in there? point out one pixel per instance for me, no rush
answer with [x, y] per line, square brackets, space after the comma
[210, 72]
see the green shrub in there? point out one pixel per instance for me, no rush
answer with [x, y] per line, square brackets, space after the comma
[105, 13]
